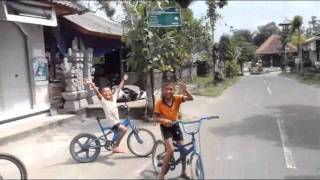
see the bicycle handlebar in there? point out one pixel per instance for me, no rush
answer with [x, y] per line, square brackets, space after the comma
[197, 121]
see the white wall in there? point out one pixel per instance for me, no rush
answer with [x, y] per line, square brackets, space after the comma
[19, 95]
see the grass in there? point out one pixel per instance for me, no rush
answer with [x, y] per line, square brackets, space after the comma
[210, 89]
[202, 80]
[311, 79]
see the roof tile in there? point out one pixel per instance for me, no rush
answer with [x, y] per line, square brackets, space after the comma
[272, 44]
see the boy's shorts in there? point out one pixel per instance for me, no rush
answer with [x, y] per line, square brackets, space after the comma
[173, 132]
[116, 126]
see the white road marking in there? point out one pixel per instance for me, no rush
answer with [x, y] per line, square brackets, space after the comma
[269, 90]
[288, 155]
[229, 157]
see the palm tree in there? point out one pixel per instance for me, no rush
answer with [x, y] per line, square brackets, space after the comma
[296, 27]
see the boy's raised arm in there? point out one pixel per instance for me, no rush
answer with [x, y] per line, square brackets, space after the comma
[124, 78]
[87, 81]
[187, 94]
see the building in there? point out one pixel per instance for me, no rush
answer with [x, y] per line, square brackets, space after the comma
[271, 54]
[311, 52]
[23, 70]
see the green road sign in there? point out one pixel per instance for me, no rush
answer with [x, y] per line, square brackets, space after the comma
[167, 18]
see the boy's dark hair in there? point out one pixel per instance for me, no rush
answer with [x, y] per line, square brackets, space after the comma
[167, 83]
[164, 84]
[101, 88]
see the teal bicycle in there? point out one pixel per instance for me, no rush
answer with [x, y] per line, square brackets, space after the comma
[192, 155]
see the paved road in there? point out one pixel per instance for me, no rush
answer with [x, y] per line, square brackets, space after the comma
[269, 129]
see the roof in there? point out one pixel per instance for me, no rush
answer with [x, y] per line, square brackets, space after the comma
[272, 44]
[95, 24]
[66, 7]
[68, 3]
[315, 38]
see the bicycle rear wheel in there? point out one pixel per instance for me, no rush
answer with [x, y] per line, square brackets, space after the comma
[141, 143]
[158, 155]
[197, 171]
[85, 148]
[11, 167]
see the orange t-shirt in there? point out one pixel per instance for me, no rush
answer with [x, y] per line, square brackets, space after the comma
[167, 112]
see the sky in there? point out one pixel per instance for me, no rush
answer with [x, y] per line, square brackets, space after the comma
[251, 14]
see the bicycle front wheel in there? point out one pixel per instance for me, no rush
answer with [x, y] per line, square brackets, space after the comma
[140, 142]
[11, 167]
[85, 148]
[197, 171]
[158, 155]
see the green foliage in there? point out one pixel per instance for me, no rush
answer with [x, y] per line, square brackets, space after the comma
[165, 49]
[244, 33]
[296, 23]
[247, 48]
[229, 53]
[225, 48]
[314, 29]
[294, 38]
[212, 12]
[232, 68]
[215, 90]
[264, 32]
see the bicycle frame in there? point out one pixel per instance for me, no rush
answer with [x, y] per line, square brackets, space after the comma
[184, 152]
[126, 122]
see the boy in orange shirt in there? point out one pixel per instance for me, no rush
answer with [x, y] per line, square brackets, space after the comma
[166, 112]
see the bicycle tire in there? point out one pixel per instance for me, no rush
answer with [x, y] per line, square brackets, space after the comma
[88, 158]
[197, 170]
[17, 162]
[133, 139]
[158, 155]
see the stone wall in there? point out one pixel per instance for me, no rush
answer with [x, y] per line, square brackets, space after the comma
[77, 65]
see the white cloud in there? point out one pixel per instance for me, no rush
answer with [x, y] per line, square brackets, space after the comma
[250, 14]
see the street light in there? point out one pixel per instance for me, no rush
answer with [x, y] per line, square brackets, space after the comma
[284, 39]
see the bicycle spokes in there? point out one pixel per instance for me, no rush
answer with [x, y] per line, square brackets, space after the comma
[9, 170]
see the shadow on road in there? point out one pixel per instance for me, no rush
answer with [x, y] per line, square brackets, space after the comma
[302, 177]
[105, 159]
[148, 174]
[129, 157]
[302, 124]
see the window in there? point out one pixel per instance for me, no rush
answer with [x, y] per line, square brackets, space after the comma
[28, 12]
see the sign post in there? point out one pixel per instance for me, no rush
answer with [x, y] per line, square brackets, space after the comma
[170, 17]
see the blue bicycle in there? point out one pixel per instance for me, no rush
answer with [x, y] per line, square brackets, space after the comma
[86, 147]
[191, 154]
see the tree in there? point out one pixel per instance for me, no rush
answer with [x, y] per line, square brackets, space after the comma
[247, 49]
[224, 48]
[264, 32]
[213, 17]
[294, 39]
[229, 54]
[246, 33]
[314, 29]
[296, 25]
[153, 48]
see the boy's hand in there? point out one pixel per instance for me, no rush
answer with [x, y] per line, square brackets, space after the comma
[167, 123]
[182, 86]
[87, 81]
[125, 77]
